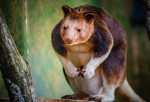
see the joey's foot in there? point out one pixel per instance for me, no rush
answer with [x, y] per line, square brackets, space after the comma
[74, 97]
[96, 98]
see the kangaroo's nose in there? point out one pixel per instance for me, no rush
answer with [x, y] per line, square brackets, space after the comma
[68, 41]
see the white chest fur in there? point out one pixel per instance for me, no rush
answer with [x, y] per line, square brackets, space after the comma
[79, 55]
[79, 59]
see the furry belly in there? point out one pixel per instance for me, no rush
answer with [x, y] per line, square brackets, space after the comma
[91, 86]
[79, 59]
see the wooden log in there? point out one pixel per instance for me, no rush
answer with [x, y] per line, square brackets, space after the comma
[15, 70]
[58, 100]
[48, 100]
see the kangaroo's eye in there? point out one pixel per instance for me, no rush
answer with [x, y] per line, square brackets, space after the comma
[79, 30]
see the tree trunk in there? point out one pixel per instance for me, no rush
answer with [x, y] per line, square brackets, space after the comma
[15, 70]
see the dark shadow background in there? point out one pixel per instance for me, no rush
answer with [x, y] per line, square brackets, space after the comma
[31, 22]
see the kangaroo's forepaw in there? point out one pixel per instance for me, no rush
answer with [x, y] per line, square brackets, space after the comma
[87, 73]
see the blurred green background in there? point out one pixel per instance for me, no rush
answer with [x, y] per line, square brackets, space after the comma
[31, 22]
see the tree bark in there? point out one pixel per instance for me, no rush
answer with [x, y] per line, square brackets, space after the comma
[15, 70]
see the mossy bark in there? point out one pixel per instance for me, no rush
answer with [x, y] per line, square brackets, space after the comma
[15, 70]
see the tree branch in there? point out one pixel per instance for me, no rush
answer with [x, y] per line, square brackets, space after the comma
[15, 70]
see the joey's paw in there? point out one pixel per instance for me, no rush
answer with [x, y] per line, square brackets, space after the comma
[73, 72]
[87, 73]
[96, 98]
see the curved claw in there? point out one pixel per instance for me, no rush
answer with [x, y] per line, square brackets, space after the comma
[97, 98]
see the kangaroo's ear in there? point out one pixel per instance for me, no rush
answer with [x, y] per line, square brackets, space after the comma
[66, 9]
[89, 16]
